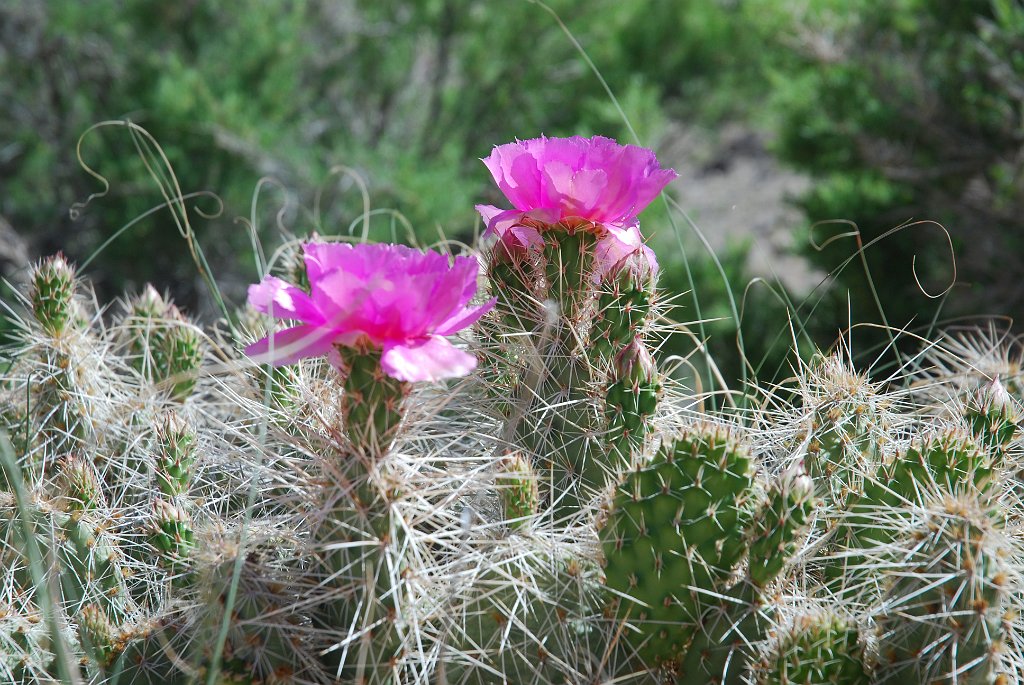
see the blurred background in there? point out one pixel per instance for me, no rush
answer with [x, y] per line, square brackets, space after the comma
[804, 131]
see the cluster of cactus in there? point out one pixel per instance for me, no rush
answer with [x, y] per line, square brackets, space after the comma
[170, 513]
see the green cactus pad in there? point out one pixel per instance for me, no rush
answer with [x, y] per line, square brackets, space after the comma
[98, 634]
[674, 530]
[816, 649]
[91, 565]
[163, 346]
[775, 526]
[624, 306]
[524, 617]
[630, 402]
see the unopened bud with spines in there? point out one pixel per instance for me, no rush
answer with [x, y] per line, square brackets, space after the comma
[516, 482]
[164, 346]
[176, 456]
[993, 417]
[181, 354]
[171, 534]
[53, 292]
[82, 489]
[98, 634]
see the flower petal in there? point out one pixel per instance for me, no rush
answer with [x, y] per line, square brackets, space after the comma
[594, 179]
[618, 246]
[464, 318]
[292, 344]
[432, 359]
[283, 301]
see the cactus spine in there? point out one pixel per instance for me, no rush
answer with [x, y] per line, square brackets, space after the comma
[942, 618]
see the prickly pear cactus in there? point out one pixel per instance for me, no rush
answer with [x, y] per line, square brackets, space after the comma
[670, 537]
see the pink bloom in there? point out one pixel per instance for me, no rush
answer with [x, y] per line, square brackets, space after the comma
[590, 179]
[403, 301]
[625, 249]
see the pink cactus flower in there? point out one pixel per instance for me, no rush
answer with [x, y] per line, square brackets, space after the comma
[592, 180]
[397, 299]
[615, 252]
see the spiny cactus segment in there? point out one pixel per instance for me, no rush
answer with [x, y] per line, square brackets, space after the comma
[670, 536]
[994, 417]
[625, 304]
[171, 535]
[516, 483]
[163, 346]
[943, 614]
[371, 406]
[52, 295]
[814, 649]
[176, 456]
[776, 525]
[631, 401]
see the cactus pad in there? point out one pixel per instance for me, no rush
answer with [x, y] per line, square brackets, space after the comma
[673, 531]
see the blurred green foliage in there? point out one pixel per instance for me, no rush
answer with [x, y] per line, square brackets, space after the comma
[910, 111]
[898, 110]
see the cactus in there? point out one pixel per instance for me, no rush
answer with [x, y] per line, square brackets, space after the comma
[669, 535]
[371, 403]
[563, 514]
[993, 418]
[626, 301]
[774, 529]
[815, 648]
[630, 402]
[162, 345]
[176, 456]
[847, 433]
[942, 618]
[53, 293]
[516, 483]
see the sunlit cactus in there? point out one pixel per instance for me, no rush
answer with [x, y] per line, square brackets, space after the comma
[672, 536]
[630, 403]
[814, 649]
[847, 431]
[346, 498]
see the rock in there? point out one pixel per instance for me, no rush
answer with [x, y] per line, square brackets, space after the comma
[14, 255]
